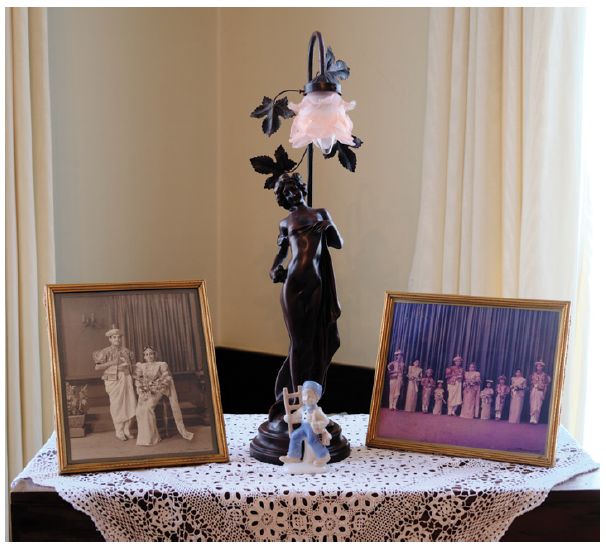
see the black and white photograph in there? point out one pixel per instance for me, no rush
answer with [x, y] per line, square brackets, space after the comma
[134, 376]
[470, 376]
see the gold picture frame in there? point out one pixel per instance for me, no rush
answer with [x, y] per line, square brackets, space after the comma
[500, 336]
[138, 361]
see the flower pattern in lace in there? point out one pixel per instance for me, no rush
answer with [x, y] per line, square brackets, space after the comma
[374, 495]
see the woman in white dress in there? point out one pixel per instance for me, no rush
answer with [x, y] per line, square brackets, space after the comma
[471, 393]
[153, 380]
[415, 373]
[518, 388]
[539, 382]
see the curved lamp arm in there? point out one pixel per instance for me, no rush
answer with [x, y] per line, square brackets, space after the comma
[318, 84]
[317, 35]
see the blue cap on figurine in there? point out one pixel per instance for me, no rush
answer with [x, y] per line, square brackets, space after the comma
[312, 385]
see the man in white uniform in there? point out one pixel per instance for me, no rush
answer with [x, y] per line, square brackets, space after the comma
[116, 362]
[395, 370]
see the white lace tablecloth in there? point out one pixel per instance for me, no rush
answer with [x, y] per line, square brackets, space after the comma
[374, 495]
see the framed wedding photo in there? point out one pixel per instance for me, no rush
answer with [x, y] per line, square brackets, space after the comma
[470, 376]
[134, 376]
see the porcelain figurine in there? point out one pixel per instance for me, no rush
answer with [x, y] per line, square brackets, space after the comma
[307, 452]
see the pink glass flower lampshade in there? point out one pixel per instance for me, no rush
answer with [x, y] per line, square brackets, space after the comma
[321, 119]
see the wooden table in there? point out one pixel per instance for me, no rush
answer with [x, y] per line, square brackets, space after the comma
[571, 512]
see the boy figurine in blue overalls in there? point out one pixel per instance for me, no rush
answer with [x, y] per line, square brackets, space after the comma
[313, 429]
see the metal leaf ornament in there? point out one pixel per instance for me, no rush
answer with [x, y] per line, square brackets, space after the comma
[347, 157]
[271, 110]
[335, 70]
[267, 165]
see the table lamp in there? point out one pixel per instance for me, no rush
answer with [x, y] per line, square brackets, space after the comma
[308, 298]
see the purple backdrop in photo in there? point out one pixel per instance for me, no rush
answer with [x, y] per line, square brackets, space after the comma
[498, 340]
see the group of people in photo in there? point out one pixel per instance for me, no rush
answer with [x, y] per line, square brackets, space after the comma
[150, 379]
[463, 392]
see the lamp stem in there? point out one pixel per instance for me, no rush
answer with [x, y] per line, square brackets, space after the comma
[310, 177]
[317, 35]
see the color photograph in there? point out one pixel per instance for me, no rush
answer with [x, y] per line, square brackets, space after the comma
[470, 376]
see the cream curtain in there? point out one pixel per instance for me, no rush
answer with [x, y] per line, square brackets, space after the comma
[30, 254]
[501, 164]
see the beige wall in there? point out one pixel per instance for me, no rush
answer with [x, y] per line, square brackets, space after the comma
[264, 51]
[152, 140]
[134, 121]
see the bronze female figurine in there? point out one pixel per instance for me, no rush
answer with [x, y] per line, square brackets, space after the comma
[309, 296]
[309, 304]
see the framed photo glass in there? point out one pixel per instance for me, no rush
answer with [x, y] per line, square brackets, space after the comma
[470, 376]
[134, 376]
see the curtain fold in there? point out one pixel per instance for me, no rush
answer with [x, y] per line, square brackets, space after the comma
[499, 213]
[30, 255]
[166, 322]
[498, 340]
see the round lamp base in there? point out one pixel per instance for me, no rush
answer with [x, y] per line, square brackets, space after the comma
[272, 442]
